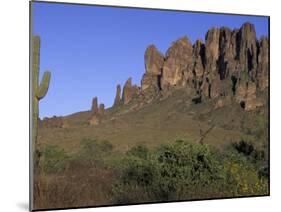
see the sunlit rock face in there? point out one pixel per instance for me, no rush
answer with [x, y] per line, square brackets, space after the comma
[229, 64]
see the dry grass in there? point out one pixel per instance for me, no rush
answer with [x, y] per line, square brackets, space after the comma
[78, 186]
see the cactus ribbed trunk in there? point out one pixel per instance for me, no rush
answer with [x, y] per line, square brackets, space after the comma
[38, 90]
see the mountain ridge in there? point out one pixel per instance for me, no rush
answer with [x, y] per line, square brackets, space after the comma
[230, 67]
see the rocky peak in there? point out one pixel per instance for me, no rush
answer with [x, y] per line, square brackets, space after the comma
[263, 63]
[117, 100]
[95, 108]
[153, 60]
[179, 58]
[180, 49]
[231, 64]
[227, 52]
[212, 49]
[101, 109]
[97, 112]
[247, 47]
[199, 58]
[129, 91]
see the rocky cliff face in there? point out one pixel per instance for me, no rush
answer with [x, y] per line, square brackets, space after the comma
[230, 66]
[231, 63]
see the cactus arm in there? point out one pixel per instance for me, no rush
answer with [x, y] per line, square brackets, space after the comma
[44, 85]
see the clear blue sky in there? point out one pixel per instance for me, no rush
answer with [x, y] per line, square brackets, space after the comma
[91, 49]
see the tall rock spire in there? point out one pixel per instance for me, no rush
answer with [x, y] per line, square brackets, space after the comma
[95, 108]
[117, 100]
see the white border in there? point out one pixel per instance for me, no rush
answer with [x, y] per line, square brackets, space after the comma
[14, 89]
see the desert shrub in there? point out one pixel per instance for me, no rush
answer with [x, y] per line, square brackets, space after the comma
[139, 151]
[92, 151]
[171, 172]
[256, 158]
[53, 159]
[255, 154]
[139, 171]
[244, 147]
[243, 177]
[187, 168]
[181, 171]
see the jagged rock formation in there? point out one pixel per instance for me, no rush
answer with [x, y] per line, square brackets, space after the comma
[117, 100]
[97, 112]
[178, 61]
[129, 91]
[231, 66]
[263, 63]
[154, 61]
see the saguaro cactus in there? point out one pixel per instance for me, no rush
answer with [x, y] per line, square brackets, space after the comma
[38, 90]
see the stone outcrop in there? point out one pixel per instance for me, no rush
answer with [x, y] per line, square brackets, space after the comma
[150, 83]
[101, 109]
[97, 112]
[117, 100]
[212, 50]
[229, 64]
[263, 63]
[246, 96]
[53, 122]
[95, 108]
[199, 60]
[247, 47]
[154, 61]
[129, 91]
[178, 60]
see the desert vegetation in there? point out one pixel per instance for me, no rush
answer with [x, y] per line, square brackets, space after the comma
[97, 174]
[195, 128]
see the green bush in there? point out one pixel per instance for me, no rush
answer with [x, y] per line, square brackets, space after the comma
[93, 151]
[54, 159]
[139, 151]
[181, 171]
[184, 168]
[171, 172]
